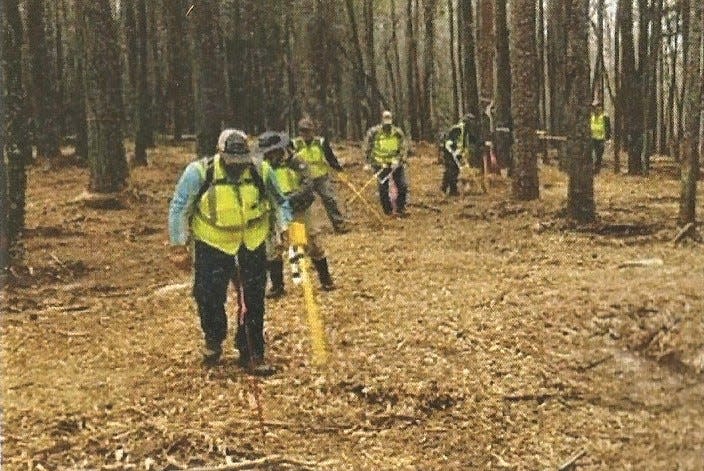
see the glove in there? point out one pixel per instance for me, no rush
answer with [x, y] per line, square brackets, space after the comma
[395, 162]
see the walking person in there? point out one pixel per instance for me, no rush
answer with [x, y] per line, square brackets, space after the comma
[600, 125]
[294, 178]
[219, 220]
[385, 150]
[316, 151]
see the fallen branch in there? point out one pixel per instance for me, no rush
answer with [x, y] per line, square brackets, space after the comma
[272, 460]
[72, 334]
[646, 262]
[426, 206]
[594, 363]
[683, 232]
[569, 464]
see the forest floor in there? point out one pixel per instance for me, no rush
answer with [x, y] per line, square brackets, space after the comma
[488, 335]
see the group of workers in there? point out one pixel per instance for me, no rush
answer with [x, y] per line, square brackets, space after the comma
[230, 214]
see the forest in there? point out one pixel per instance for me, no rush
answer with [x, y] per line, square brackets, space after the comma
[549, 316]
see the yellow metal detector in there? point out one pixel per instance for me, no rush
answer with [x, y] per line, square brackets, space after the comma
[298, 241]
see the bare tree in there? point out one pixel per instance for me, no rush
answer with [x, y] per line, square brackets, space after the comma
[104, 105]
[504, 123]
[580, 192]
[15, 120]
[208, 82]
[46, 133]
[694, 107]
[524, 100]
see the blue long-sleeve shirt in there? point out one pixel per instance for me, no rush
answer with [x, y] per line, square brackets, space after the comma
[183, 202]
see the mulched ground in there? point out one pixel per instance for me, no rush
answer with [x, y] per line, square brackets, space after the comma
[480, 333]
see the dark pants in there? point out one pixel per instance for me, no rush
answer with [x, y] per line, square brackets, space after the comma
[214, 270]
[597, 153]
[449, 177]
[323, 187]
[399, 178]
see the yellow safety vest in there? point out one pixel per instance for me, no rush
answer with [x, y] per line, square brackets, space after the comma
[313, 154]
[231, 213]
[598, 125]
[386, 147]
[287, 179]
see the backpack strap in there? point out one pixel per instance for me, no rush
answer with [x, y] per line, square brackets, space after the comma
[209, 173]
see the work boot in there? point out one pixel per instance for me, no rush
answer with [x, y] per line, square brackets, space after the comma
[258, 367]
[321, 266]
[211, 354]
[276, 275]
[341, 228]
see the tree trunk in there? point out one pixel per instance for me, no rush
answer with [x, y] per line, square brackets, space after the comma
[368, 13]
[693, 112]
[157, 102]
[524, 97]
[397, 61]
[104, 107]
[453, 62]
[556, 47]
[79, 93]
[471, 88]
[142, 116]
[4, 201]
[629, 85]
[412, 57]
[580, 193]
[485, 49]
[360, 98]
[177, 56]
[17, 143]
[620, 93]
[60, 20]
[46, 133]
[504, 123]
[208, 93]
[430, 6]
[540, 43]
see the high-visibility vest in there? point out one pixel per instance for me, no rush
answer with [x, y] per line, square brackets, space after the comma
[386, 147]
[598, 126]
[287, 179]
[313, 154]
[230, 214]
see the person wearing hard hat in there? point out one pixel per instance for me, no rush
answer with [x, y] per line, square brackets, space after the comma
[316, 151]
[223, 205]
[385, 150]
[295, 180]
[601, 132]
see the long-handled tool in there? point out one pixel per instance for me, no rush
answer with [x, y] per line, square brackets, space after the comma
[300, 272]
[358, 193]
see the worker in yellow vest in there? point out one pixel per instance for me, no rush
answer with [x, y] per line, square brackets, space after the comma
[219, 219]
[460, 147]
[316, 151]
[601, 132]
[385, 150]
[295, 180]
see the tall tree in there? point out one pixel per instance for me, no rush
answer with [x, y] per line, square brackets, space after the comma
[504, 123]
[17, 147]
[4, 200]
[177, 58]
[104, 106]
[426, 124]
[524, 100]
[453, 61]
[556, 47]
[368, 13]
[207, 79]
[580, 192]
[485, 47]
[694, 109]
[469, 64]
[78, 102]
[46, 132]
[142, 115]
[411, 66]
